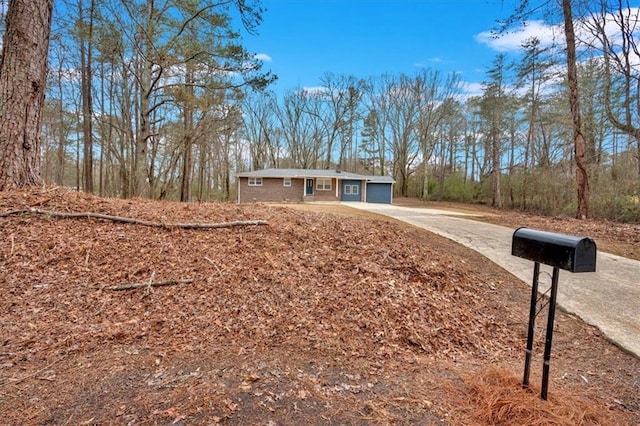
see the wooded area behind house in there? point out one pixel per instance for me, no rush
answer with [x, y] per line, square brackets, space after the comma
[163, 101]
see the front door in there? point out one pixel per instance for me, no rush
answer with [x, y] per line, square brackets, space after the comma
[309, 187]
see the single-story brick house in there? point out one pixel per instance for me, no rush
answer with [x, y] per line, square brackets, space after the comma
[294, 185]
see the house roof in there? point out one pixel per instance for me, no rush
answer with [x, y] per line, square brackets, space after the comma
[380, 179]
[314, 173]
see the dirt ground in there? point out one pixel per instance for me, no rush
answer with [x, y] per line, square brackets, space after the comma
[314, 317]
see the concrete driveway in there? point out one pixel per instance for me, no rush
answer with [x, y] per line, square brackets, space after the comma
[608, 299]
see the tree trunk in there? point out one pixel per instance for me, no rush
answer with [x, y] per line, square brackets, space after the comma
[443, 165]
[127, 138]
[529, 143]
[86, 46]
[146, 84]
[582, 179]
[473, 159]
[202, 171]
[23, 71]
[139, 174]
[512, 164]
[62, 135]
[495, 159]
[185, 180]
[187, 163]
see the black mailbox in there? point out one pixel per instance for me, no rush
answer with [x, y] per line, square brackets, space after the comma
[574, 254]
[560, 251]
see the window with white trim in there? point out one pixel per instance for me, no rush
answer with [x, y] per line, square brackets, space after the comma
[255, 181]
[351, 189]
[323, 184]
[286, 182]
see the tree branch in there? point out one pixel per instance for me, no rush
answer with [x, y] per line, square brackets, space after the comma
[120, 219]
[132, 286]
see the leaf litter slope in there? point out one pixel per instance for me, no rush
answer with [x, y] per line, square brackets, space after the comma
[314, 317]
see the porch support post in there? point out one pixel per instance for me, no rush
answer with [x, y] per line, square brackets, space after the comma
[363, 193]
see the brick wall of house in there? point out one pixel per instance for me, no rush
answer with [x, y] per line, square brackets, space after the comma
[272, 190]
[322, 195]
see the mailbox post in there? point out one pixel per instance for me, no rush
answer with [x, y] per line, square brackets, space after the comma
[559, 251]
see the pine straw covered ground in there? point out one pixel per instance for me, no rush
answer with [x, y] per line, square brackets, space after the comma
[313, 318]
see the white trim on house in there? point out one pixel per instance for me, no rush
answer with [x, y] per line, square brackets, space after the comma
[254, 181]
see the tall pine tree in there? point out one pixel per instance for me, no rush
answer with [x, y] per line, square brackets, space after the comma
[23, 70]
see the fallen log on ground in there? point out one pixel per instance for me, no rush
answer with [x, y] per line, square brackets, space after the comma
[120, 219]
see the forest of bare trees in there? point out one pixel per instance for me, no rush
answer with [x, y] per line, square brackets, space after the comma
[161, 100]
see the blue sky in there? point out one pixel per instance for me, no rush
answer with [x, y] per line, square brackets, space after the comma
[300, 40]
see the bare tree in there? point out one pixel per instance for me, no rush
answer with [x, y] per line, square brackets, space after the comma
[377, 102]
[301, 131]
[335, 108]
[613, 29]
[259, 127]
[433, 96]
[403, 94]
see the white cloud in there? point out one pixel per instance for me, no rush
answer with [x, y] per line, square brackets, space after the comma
[512, 41]
[263, 57]
[434, 60]
[470, 89]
